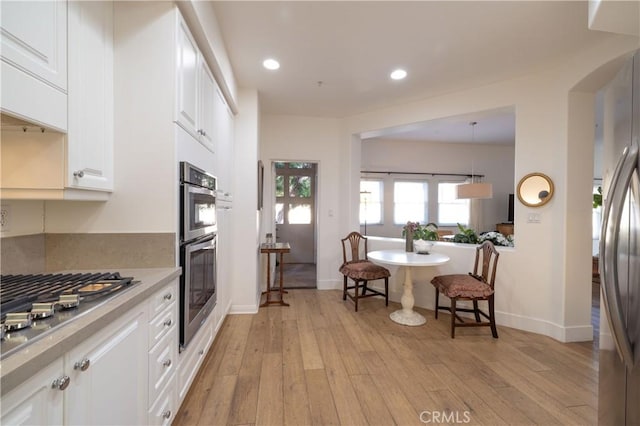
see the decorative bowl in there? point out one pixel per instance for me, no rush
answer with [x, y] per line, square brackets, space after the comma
[422, 246]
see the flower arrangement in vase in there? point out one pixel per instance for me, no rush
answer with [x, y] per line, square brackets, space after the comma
[419, 236]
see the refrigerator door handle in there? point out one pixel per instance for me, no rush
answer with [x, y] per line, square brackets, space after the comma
[609, 251]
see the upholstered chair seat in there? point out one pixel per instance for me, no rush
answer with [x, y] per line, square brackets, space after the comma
[357, 268]
[463, 286]
[474, 286]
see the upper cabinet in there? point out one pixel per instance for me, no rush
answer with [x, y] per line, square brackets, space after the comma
[195, 90]
[90, 135]
[34, 61]
[75, 162]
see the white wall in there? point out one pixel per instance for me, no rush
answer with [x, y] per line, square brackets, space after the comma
[25, 217]
[496, 162]
[247, 226]
[312, 139]
[549, 134]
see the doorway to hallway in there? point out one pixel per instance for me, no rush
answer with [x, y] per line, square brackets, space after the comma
[295, 217]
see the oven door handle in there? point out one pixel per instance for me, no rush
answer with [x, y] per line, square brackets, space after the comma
[206, 245]
[199, 190]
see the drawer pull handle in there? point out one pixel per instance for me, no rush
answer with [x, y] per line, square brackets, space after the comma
[61, 383]
[168, 296]
[167, 363]
[166, 415]
[168, 322]
[82, 365]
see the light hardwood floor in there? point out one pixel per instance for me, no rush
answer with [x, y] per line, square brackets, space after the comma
[319, 362]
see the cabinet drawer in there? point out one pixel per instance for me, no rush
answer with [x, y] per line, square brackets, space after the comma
[193, 356]
[165, 408]
[162, 324]
[163, 359]
[163, 298]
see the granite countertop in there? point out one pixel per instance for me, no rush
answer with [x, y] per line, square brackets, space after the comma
[23, 364]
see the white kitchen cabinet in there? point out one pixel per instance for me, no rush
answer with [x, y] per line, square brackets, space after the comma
[195, 89]
[193, 355]
[224, 135]
[187, 80]
[109, 375]
[206, 112]
[77, 165]
[164, 410]
[36, 401]
[34, 61]
[163, 355]
[90, 132]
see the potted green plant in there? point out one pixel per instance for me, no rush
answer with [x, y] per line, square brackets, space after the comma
[597, 198]
[465, 235]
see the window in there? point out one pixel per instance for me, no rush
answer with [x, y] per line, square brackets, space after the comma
[370, 202]
[451, 210]
[410, 202]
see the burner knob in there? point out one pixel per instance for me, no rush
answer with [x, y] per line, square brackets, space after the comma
[61, 383]
[166, 414]
[82, 365]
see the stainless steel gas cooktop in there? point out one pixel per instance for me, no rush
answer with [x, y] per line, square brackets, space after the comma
[33, 305]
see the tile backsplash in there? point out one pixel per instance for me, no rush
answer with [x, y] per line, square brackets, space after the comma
[22, 255]
[40, 253]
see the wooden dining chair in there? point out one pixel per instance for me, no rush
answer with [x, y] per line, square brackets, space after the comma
[356, 267]
[474, 286]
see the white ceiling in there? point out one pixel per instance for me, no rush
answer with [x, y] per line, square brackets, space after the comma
[352, 46]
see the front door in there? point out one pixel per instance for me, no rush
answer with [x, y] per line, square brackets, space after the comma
[296, 209]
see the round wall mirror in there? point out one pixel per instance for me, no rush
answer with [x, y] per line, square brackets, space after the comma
[535, 190]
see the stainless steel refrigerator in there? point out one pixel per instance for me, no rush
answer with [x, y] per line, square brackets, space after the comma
[619, 368]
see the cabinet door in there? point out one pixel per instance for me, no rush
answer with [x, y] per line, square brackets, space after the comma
[34, 39]
[33, 68]
[90, 136]
[187, 80]
[207, 113]
[35, 402]
[109, 377]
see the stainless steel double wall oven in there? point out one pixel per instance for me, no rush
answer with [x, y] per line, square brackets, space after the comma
[198, 247]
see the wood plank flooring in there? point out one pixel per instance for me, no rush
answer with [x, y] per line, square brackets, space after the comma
[318, 362]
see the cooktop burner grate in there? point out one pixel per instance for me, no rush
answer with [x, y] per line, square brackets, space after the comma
[19, 292]
[32, 306]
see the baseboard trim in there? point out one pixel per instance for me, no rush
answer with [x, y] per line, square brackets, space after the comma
[244, 309]
[329, 285]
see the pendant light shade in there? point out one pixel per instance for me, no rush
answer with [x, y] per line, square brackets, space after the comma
[474, 190]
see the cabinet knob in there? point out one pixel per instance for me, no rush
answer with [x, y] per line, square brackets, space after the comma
[61, 383]
[203, 133]
[78, 174]
[201, 352]
[167, 363]
[168, 296]
[168, 323]
[166, 414]
[82, 365]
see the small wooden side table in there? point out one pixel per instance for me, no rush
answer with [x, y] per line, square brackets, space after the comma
[276, 248]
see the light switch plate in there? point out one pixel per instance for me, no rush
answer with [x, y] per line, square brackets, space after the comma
[533, 218]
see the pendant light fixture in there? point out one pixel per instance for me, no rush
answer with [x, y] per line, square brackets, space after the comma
[475, 189]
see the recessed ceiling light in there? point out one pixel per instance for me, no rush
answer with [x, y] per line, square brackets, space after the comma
[398, 74]
[271, 64]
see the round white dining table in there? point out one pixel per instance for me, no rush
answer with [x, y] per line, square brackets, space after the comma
[408, 260]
